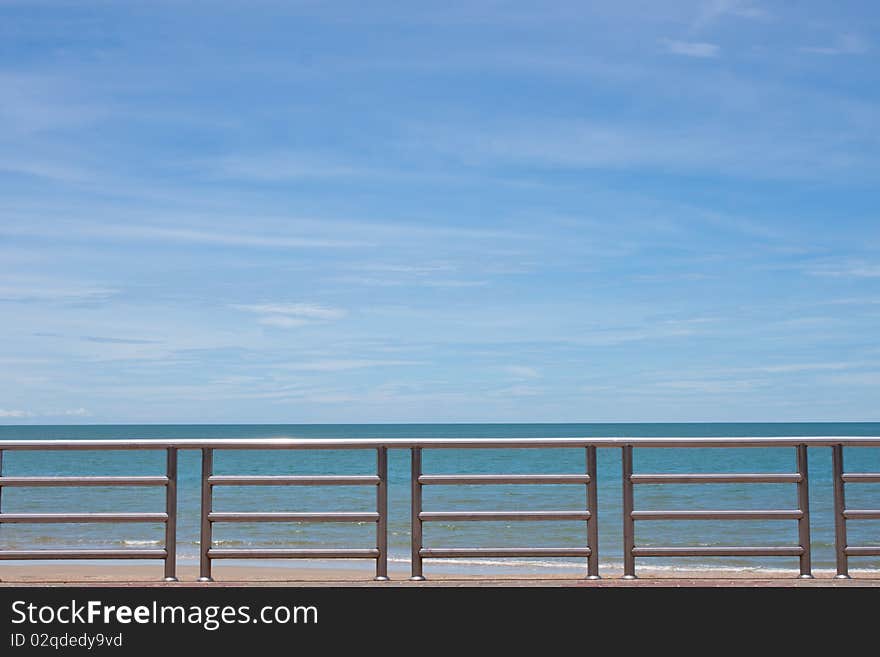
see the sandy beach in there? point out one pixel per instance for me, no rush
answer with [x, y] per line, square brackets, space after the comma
[235, 575]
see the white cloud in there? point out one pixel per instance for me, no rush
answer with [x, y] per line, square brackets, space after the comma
[276, 167]
[207, 237]
[709, 386]
[846, 269]
[72, 412]
[847, 44]
[800, 367]
[518, 391]
[856, 301]
[856, 378]
[305, 311]
[291, 315]
[77, 412]
[522, 371]
[342, 365]
[31, 289]
[281, 321]
[717, 9]
[691, 48]
[410, 282]
[700, 147]
[14, 413]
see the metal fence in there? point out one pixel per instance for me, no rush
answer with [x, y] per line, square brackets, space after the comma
[418, 479]
[168, 552]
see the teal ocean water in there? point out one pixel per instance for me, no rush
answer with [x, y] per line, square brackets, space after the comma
[448, 498]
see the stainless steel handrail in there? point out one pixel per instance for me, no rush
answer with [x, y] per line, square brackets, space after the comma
[168, 553]
[589, 515]
[208, 553]
[439, 443]
[418, 480]
[801, 514]
[841, 514]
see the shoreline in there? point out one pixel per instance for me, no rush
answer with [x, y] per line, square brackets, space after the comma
[320, 575]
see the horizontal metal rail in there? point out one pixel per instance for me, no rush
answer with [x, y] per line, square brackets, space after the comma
[775, 514]
[729, 478]
[862, 514]
[82, 481]
[294, 480]
[861, 477]
[863, 550]
[37, 518]
[717, 551]
[36, 555]
[261, 553]
[454, 516]
[478, 480]
[441, 443]
[277, 516]
[455, 553]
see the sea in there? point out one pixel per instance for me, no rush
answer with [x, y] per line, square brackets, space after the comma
[448, 498]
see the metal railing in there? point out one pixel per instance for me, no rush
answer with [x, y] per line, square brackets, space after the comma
[842, 514]
[589, 515]
[801, 514]
[588, 478]
[168, 552]
[209, 516]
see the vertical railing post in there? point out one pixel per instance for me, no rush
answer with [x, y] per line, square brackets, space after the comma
[593, 508]
[803, 494]
[1, 487]
[629, 529]
[205, 534]
[839, 517]
[382, 510]
[171, 512]
[416, 510]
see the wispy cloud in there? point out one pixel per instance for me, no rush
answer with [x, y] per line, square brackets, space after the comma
[691, 48]
[305, 311]
[291, 315]
[714, 10]
[856, 378]
[845, 269]
[343, 365]
[15, 413]
[855, 301]
[30, 289]
[20, 414]
[270, 231]
[386, 281]
[76, 412]
[220, 238]
[522, 371]
[282, 166]
[517, 391]
[795, 368]
[48, 169]
[432, 274]
[106, 340]
[709, 386]
[846, 44]
[282, 321]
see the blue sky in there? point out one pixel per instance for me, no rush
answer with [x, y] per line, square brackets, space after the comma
[462, 211]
